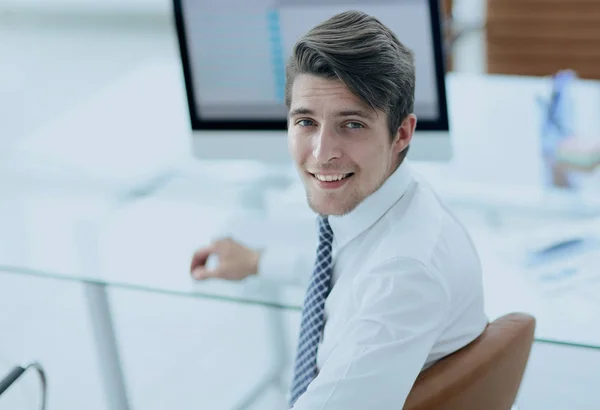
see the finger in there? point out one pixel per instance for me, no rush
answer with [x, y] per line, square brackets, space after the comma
[200, 257]
[203, 273]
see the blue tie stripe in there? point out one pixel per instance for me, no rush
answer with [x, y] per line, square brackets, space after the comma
[313, 314]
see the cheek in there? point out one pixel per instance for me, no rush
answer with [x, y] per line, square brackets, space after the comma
[373, 162]
[367, 156]
[299, 147]
[293, 145]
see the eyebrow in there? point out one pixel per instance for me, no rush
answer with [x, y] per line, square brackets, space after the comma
[301, 111]
[345, 113]
[355, 113]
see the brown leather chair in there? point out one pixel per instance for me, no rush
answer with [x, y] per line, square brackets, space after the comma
[484, 375]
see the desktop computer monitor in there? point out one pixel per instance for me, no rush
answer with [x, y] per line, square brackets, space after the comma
[234, 54]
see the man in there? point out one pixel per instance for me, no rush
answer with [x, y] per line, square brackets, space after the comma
[397, 282]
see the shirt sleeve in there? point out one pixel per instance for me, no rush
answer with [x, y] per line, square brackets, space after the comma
[401, 311]
[285, 264]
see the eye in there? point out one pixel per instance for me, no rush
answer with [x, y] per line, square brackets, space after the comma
[354, 125]
[305, 123]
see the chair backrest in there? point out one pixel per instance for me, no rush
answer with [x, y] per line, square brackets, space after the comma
[486, 374]
[541, 37]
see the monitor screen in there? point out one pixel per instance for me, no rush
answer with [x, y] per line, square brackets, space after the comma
[234, 54]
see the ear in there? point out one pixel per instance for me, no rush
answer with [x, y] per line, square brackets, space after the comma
[405, 133]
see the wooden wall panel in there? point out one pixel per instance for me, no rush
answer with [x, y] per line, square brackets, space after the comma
[540, 37]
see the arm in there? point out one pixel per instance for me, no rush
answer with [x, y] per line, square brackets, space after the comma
[401, 310]
[286, 264]
[280, 263]
[290, 250]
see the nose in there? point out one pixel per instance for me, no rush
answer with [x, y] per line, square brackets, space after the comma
[326, 146]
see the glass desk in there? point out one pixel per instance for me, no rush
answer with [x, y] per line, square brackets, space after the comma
[103, 238]
[65, 230]
[74, 208]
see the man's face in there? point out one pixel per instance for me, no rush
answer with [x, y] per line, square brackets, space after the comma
[341, 146]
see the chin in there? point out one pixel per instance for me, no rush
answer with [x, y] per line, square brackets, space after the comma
[330, 206]
[338, 201]
[325, 210]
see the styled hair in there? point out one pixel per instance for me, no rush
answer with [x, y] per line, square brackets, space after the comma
[366, 56]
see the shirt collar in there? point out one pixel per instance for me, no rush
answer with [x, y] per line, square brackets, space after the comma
[349, 226]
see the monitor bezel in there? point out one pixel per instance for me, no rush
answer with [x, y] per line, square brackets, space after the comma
[199, 124]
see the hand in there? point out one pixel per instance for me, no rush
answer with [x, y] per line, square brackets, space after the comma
[236, 261]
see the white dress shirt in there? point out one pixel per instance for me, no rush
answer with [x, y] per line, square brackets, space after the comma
[407, 291]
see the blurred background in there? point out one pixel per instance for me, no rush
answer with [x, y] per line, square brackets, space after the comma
[76, 225]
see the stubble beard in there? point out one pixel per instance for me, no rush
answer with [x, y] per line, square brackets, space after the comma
[323, 205]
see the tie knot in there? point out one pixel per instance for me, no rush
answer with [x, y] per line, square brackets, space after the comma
[325, 231]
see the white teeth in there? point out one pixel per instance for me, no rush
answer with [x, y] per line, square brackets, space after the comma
[329, 178]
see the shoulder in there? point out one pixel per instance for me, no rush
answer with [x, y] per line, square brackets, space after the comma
[420, 230]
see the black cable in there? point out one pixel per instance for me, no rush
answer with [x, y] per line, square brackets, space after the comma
[18, 371]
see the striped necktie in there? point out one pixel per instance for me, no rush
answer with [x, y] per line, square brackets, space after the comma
[313, 314]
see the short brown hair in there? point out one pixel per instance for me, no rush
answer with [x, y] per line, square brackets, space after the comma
[366, 56]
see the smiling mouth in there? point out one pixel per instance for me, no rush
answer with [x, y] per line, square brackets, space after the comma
[331, 181]
[331, 178]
